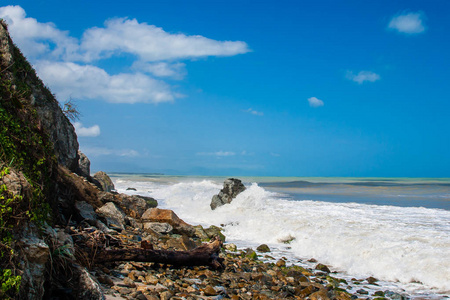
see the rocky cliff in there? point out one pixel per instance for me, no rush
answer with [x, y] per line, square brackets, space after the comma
[22, 83]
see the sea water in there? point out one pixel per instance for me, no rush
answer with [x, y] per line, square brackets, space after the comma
[396, 230]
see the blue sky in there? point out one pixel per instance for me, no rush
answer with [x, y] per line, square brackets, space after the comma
[268, 88]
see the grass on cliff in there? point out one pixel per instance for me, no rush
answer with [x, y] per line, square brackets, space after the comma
[25, 148]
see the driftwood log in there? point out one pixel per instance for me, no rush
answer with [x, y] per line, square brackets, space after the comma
[204, 255]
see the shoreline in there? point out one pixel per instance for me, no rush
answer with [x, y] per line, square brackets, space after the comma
[248, 274]
[415, 290]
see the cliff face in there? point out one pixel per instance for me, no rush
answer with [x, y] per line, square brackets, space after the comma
[30, 89]
[36, 140]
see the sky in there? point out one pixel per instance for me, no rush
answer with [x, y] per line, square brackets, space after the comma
[256, 88]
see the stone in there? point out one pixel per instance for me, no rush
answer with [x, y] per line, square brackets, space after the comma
[201, 233]
[209, 291]
[36, 254]
[230, 247]
[112, 214]
[214, 231]
[84, 165]
[280, 263]
[161, 228]
[251, 254]
[263, 248]
[88, 287]
[86, 210]
[231, 188]
[103, 181]
[323, 268]
[371, 280]
[319, 295]
[168, 216]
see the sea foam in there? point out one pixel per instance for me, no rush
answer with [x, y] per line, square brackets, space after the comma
[408, 245]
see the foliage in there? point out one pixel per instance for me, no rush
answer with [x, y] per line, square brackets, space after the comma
[9, 283]
[70, 109]
[26, 149]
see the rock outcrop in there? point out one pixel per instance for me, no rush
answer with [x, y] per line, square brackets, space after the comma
[103, 181]
[84, 165]
[58, 127]
[231, 188]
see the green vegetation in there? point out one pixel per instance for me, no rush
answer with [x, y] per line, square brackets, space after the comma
[26, 149]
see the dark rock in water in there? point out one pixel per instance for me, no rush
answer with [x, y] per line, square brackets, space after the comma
[103, 181]
[323, 268]
[231, 188]
[131, 189]
[263, 248]
[84, 165]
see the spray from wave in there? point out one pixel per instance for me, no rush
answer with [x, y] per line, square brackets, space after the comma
[400, 244]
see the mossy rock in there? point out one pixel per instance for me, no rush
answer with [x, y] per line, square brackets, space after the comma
[263, 248]
[251, 254]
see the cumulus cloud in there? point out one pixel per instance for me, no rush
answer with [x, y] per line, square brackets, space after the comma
[314, 102]
[38, 39]
[409, 23]
[92, 131]
[363, 76]
[67, 64]
[151, 43]
[254, 112]
[71, 80]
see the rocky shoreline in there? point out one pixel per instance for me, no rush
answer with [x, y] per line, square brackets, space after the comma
[247, 273]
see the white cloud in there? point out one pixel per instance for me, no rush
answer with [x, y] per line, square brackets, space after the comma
[92, 131]
[409, 23]
[218, 153]
[314, 102]
[66, 64]
[275, 154]
[254, 112]
[363, 76]
[37, 39]
[71, 80]
[162, 69]
[101, 151]
[151, 43]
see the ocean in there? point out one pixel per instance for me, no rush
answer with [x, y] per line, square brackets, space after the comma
[394, 229]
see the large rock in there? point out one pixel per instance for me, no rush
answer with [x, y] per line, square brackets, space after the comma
[134, 206]
[103, 181]
[112, 214]
[231, 188]
[84, 165]
[168, 216]
[35, 254]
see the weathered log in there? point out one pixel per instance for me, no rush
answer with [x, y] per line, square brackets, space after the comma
[204, 255]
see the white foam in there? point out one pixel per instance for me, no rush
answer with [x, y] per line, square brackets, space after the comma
[398, 244]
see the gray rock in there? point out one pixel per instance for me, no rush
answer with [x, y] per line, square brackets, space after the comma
[88, 287]
[84, 165]
[112, 214]
[231, 188]
[104, 182]
[161, 228]
[36, 254]
[86, 210]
